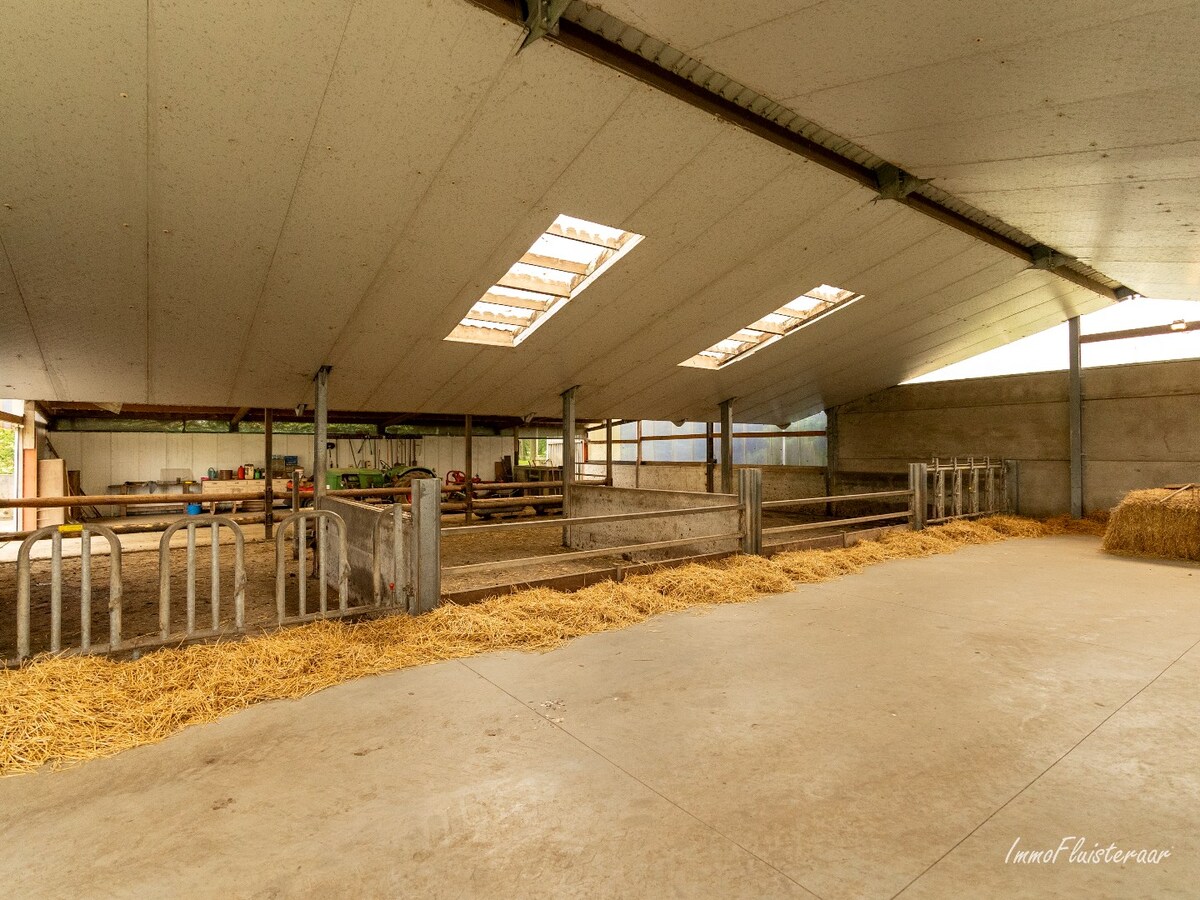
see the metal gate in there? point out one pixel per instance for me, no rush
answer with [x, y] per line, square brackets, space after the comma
[239, 574]
[55, 533]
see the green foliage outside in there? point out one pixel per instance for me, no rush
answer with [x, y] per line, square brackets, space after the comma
[8, 451]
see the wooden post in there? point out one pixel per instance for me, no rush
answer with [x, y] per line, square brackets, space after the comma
[268, 484]
[27, 520]
[469, 465]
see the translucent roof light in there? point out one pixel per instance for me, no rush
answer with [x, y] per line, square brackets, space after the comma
[561, 263]
[792, 316]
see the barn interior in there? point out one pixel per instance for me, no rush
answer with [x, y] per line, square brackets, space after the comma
[358, 315]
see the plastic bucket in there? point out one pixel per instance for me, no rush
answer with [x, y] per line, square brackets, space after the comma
[193, 509]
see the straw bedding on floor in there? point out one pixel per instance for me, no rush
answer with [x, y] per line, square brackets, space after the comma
[56, 710]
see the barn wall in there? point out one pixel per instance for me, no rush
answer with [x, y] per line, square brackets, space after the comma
[110, 458]
[1141, 426]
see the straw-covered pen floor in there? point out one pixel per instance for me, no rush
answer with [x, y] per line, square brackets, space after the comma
[58, 710]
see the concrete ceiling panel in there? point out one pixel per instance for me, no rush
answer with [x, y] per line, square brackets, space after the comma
[73, 189]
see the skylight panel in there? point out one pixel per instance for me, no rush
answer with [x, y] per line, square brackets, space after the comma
[792, 316]
[557, 268]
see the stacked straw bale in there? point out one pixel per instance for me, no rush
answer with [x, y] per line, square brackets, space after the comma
[1158, 522]
[61, 709]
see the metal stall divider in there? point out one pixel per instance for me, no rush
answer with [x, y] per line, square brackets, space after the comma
[55, 533]
[239, 574]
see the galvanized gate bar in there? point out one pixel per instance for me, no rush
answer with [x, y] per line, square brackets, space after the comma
[191, 523]
[24, 587]
[85, 591]
[834, 523]
[298, 520]
[588, 554]
[836, 498]
[56, 592]
[588, 520]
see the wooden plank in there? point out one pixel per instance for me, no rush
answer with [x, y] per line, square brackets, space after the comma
[52, 482]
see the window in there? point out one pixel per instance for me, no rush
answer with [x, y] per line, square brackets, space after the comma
[569, 256]
[792, 316]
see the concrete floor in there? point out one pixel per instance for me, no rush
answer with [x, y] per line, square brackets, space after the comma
[890, 733]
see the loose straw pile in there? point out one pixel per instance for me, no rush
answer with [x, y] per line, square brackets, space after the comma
[56, 710]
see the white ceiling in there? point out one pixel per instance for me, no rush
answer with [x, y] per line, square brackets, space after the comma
[205, 202]
[1075, 121]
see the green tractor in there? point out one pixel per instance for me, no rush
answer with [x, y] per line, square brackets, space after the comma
[395, 476]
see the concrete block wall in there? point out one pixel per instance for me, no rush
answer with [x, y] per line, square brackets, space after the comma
[589, 500]
[1141, 427]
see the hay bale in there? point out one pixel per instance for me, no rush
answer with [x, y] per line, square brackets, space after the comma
[1157, 522]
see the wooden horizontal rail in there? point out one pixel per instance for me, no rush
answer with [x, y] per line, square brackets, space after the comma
[589, 520]
[811, 501]
[148, 527]
[835, 523]
[701, 436]
[587, 554]
[124, 500]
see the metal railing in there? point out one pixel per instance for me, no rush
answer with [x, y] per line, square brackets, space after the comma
[907, 513]
[297, 520]
[56, 533]
[747, 537]
[964, 488]
[239, 574]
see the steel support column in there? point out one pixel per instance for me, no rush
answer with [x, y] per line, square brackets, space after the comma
[710, 462]
[1075, 406]
[320, 432]
[727, 446]
[268, 482]
[608, 450]
[469, 465]
[568, 456]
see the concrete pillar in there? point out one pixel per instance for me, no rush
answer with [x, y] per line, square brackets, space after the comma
[320, 432]
[1075, 406]
[727, 446]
